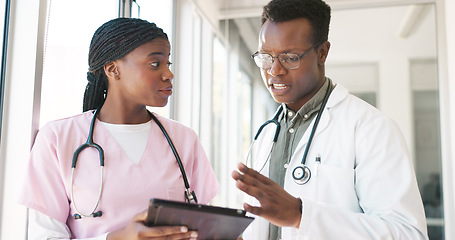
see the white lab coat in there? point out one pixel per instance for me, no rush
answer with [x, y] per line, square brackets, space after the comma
[363, 188]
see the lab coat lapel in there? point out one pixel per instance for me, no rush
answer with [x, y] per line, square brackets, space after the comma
[323, 123]
[337, 95]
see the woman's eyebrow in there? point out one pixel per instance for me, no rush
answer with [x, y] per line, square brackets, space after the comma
[156, 53]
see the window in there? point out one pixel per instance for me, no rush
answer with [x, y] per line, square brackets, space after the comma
[70, 27]
[2, 79]
[232, 109]
[219, 113]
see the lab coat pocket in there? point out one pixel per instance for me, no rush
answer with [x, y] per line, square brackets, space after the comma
[336, 186]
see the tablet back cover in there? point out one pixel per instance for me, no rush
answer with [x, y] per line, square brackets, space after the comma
[211, 222]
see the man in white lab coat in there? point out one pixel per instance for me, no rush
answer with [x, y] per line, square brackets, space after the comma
[356, 180]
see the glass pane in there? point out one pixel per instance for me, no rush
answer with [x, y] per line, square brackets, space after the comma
[232, 91]
[2, 81]
[70, 27]
[218, 121]
[428, 159]
[244, 109]
[157, 11]
[369, 97]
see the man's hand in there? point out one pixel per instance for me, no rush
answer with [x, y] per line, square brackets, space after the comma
[277, 206]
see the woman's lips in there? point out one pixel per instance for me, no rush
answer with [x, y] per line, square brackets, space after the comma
[167, 90]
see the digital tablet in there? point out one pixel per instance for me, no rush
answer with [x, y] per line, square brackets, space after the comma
[211, 222]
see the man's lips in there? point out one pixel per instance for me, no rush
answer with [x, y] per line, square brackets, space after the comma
[279, 86]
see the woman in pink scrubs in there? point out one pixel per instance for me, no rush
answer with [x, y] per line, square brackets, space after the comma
[128, 70]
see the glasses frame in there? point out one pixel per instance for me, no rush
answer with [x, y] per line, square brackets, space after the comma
[278, 57]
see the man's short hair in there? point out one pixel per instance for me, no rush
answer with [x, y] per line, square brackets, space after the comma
[317, 12]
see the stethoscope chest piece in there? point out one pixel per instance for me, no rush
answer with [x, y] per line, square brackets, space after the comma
[301, 174]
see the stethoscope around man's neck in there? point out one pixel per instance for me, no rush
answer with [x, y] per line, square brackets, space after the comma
[301, 174]
[190, 195]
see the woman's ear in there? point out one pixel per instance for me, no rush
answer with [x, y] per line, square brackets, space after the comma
[111, 71]
[323, 52]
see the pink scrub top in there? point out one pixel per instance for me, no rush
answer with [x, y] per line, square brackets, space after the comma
[127, 187]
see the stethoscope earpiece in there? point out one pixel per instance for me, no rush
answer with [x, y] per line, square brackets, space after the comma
[97, 214]
[94, 215]
[301, 174]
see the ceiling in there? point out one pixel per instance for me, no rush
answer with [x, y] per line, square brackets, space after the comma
[405, 20]
[231, 9]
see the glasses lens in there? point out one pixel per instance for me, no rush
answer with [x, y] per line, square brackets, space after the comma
[263, 60]
[289, 60]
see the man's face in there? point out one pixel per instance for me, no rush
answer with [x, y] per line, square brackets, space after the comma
[296, 86]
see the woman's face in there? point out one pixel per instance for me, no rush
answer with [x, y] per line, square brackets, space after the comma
[143, 76]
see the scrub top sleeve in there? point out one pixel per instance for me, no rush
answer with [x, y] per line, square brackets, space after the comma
[44, 188]
[203, 181]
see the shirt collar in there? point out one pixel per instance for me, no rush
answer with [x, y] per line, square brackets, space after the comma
[309, 107]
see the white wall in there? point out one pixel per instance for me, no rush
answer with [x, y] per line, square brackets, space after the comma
[380, 43]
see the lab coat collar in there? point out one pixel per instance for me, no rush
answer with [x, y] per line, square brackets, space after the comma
[336, 96]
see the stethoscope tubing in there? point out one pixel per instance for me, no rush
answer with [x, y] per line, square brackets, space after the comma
[301, 173]
[316, 123]
[190, 195]
[274, 120]
[87, 144]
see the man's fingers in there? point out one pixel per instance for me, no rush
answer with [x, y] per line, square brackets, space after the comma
[256, 192]
[253, 183]
[255, 175]
[249, 176]
[250, 185]
[254, 210]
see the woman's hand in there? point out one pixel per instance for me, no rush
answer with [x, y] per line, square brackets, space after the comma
[137, 229]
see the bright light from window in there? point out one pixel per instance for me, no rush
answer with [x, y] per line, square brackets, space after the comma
[71, 25]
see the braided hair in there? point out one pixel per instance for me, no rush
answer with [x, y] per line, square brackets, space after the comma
[112, 41]
[317, 12]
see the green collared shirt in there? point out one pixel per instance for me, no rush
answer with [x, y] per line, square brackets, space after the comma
[292, 127]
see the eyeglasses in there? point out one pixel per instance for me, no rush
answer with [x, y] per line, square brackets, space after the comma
[288, 60]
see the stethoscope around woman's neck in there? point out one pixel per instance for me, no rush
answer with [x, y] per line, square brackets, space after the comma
[301, 174]
[190, 195]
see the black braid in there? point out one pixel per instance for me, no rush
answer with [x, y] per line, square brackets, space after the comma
[112, 41]
[95, 91]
